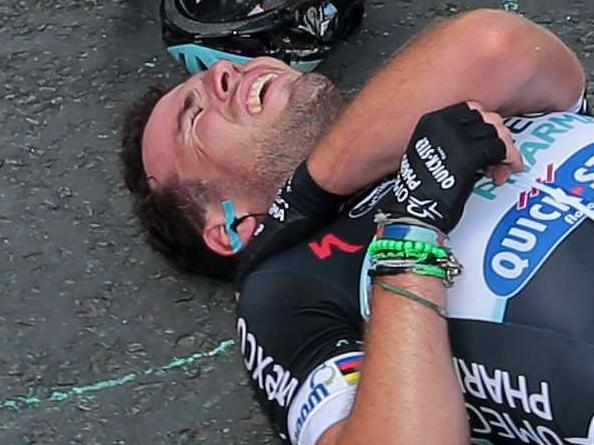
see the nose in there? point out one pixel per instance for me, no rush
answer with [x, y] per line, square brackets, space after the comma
[225, 77]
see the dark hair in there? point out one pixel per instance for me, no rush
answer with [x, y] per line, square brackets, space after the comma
[171, 214]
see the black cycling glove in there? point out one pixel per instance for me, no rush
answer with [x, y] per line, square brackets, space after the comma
[447, 150]
[300, 209]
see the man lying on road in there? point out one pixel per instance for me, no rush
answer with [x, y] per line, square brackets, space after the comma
[206, 159]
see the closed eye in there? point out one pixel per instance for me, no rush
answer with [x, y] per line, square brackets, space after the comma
[195, 115]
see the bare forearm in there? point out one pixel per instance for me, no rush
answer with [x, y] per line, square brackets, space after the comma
[504, 62]
[408, 392]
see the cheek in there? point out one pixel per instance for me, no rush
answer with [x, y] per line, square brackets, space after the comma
[225, 142]
[277, 103]
[215, 133]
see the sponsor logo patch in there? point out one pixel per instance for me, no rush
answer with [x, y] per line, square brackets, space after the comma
[529, 233]
[271, 378]
[548, 178]
[350, 367]
[333, 379]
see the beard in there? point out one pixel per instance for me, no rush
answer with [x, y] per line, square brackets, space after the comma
[313, 107]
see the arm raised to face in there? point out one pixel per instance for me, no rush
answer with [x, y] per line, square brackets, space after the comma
[501, 60]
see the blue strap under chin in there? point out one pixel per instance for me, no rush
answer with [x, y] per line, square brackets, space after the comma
[197, 58]
[229, 214]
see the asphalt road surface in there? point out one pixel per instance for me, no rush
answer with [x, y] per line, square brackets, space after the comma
[101, 342]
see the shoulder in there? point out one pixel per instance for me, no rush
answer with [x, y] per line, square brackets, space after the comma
[283, 303]
[288, 325]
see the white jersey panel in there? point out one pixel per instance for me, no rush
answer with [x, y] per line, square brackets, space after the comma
[507, 232]
[325, 398]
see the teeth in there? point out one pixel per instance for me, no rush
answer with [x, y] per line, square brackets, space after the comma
[254, 102]
[254, 105]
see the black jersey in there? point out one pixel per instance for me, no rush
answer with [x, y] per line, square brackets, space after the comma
[522, 326]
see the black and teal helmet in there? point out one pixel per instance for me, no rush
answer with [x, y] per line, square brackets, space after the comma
[300, 32]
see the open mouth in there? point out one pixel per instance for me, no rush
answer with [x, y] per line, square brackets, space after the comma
[258, 91]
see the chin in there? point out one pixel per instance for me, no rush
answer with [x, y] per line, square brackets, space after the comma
[313, 87]
[314, 106]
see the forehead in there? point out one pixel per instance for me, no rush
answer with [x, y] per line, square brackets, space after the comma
[160, 140]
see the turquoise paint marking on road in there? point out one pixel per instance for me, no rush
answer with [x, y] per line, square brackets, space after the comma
[511, 5]
[19, 402]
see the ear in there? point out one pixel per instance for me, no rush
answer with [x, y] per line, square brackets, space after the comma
[217, 239]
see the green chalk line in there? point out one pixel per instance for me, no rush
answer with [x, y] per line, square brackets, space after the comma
[19, 402]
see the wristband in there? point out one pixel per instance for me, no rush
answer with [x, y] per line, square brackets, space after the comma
[383, 270]
[426, 259]
[432, 270]
[406, 248]
[385, 220]
[447, 269]
[411, 232]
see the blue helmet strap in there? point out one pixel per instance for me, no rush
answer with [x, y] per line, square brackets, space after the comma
[232, 222]
[197, 58]
[231, 225]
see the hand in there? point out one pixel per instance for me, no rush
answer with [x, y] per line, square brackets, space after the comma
[448, 149]
[300, 209]
[513, 159]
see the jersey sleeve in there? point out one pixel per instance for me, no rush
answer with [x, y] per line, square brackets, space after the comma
[582, 106]
[301, 342]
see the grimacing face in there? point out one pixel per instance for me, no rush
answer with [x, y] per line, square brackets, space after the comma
[239, 129]
[213, 125]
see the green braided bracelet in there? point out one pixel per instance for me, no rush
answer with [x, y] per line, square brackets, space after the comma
[406, 248]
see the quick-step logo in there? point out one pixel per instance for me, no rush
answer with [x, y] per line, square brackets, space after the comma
[526, 237]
